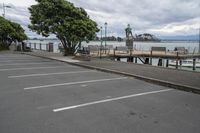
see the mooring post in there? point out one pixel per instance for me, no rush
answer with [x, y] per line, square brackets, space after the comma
[194, 64]
[167, 63]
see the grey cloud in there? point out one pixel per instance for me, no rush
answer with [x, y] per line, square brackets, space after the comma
[143, 15]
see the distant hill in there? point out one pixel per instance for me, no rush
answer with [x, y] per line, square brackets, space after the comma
[146, 37]
[180, 38]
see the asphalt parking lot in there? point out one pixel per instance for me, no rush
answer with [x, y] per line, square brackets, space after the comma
[44, 96]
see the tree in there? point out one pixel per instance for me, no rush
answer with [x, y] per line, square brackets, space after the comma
[10, 32]
[70, 24]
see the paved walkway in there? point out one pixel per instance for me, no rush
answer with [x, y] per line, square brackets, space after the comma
[184, 80]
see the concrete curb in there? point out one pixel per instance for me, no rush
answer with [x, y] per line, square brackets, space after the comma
[147, 79]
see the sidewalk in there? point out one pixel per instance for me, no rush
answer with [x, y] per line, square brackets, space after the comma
[183, 80]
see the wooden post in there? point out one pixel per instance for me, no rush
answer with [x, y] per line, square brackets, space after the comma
[136, 60]
[176, 63]
[160, 63]
[114, 51]
[47, 47]
[194, 64]
[151, 58]
[118, 59]
[167, 63]
[146, 61]
[131, 60]
[34, 46]
[40, 46]
[100, 52]
[180, 62]
[177, 60]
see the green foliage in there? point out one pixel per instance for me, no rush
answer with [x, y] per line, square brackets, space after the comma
[10, 32]
[70, 24]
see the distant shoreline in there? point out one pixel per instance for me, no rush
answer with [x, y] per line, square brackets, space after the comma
[162, 40]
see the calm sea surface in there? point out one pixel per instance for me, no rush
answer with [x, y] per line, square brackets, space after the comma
[192, 46]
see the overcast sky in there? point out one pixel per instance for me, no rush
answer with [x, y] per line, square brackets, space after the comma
[159, 17]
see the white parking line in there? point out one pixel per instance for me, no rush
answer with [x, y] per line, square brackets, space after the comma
[108, 100]
[16, 64]
[5, 61]
[45, 74]
[73, 83]
[30, 68]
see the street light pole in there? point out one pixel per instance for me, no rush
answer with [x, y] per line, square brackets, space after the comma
[199, 40]
[105, 35]
[4, 9]
[101, 41]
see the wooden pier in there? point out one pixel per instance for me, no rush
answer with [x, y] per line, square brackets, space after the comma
[146, 57]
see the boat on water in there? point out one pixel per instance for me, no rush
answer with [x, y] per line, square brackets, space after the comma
[185, 63]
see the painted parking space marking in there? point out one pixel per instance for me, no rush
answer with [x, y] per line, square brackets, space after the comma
[74, 83]
[47, 74]
[32, 68]
[109, 100]
[17, 64]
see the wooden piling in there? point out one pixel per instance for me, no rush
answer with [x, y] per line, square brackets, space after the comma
[151, 58]
[30, 45]
[167, 63]
[136, 60]
[131, 60]
[146, 61]
[40, 46]
[35, 46]
[180, 62]
[194, 64]
[160, 62]
[118, 59]
[177, 60]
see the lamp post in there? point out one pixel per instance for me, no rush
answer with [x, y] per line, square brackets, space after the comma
[199, 40]
[4, 9]
[105, 35]
[101, 41]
